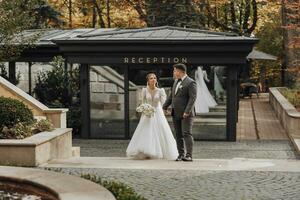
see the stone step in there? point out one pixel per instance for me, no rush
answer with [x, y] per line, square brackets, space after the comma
[207, 128]
[211, 115]
[205, 121]
[218, 108]
[75, 151]
[203, 128]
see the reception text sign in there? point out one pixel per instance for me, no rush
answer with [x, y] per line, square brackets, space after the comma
[154, 60]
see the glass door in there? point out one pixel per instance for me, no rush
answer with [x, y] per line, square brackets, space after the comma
[107, 105]
[210, 120]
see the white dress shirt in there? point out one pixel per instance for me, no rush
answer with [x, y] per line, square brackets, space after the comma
[179, 84]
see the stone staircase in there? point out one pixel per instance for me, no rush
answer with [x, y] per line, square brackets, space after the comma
[209, 126]
[41, 147]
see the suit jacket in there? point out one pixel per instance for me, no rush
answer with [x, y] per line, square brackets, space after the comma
[184, 100]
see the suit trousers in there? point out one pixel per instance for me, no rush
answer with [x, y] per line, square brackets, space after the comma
[184, 137]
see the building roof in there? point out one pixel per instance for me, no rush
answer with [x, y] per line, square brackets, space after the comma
[259, 55]
[163, 33]
[91, 45]
[152, 33]
[46, 36]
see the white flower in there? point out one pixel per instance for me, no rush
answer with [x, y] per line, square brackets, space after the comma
[146, 109]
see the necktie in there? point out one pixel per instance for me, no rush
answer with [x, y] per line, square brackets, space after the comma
[177, 85]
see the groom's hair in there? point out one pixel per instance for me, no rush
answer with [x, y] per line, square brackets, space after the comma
[180, 66]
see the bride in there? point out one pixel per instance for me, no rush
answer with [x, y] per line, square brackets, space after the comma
[153, 137]
[204, 99]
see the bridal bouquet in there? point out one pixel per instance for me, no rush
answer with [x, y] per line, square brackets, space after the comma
[146, 109]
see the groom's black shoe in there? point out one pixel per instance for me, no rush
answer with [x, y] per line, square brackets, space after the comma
[179, 158]
[187, 158]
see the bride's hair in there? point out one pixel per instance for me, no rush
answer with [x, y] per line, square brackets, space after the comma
[148, 76]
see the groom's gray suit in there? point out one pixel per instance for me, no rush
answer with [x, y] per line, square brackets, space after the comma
[181, 102]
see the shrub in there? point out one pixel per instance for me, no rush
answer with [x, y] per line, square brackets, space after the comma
[43, 125]
[19, 131]
[121, 191]
[292, 95]
[74, 119]
[59, 88]
[12, 112]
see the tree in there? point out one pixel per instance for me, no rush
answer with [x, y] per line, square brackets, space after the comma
[15, 17]
[46, 16]
[291, 23]
[262, 71]
[60, 88]
[67, 10]
[236, 16]
[180, 13]
[140, 7]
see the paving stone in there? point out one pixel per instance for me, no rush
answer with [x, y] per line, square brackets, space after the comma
[161, 184]
[264, 149]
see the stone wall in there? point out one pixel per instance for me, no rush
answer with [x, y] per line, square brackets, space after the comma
[107, 94]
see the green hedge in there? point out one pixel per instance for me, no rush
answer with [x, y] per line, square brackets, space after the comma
[121, 191]
[13, 111]
[17, 121]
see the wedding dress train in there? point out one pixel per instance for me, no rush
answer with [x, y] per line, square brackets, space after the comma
[204, 99]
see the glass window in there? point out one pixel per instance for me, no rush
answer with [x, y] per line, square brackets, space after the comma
[107, 102]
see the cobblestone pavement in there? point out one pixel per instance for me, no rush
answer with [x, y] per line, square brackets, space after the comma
[263, 149]
[199, 184]
[242, 179]
[202, 185]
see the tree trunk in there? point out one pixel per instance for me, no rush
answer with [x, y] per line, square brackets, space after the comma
[99, 11]
[94, 20]
[290, 20]
[70, 8]
[108, 13]
[254, 22]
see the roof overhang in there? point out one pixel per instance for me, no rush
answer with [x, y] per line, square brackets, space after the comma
[106, 46]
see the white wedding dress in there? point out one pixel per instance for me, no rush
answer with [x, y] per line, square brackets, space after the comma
[153, 137]
[204, 99]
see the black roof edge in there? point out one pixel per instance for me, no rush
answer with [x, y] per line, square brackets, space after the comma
[97, 42]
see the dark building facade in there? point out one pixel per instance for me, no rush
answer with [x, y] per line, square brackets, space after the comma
[113, 64]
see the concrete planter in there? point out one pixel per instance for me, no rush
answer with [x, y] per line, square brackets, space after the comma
[37, 149]
[287, 114]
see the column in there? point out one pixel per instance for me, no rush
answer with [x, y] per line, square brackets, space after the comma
[126, 96]
[29, 78]
[12, 72]
[85, 100]
[231, 112]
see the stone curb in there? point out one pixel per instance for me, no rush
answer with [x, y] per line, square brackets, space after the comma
[65, 187]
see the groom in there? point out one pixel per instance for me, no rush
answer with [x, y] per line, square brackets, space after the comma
[182, 100]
